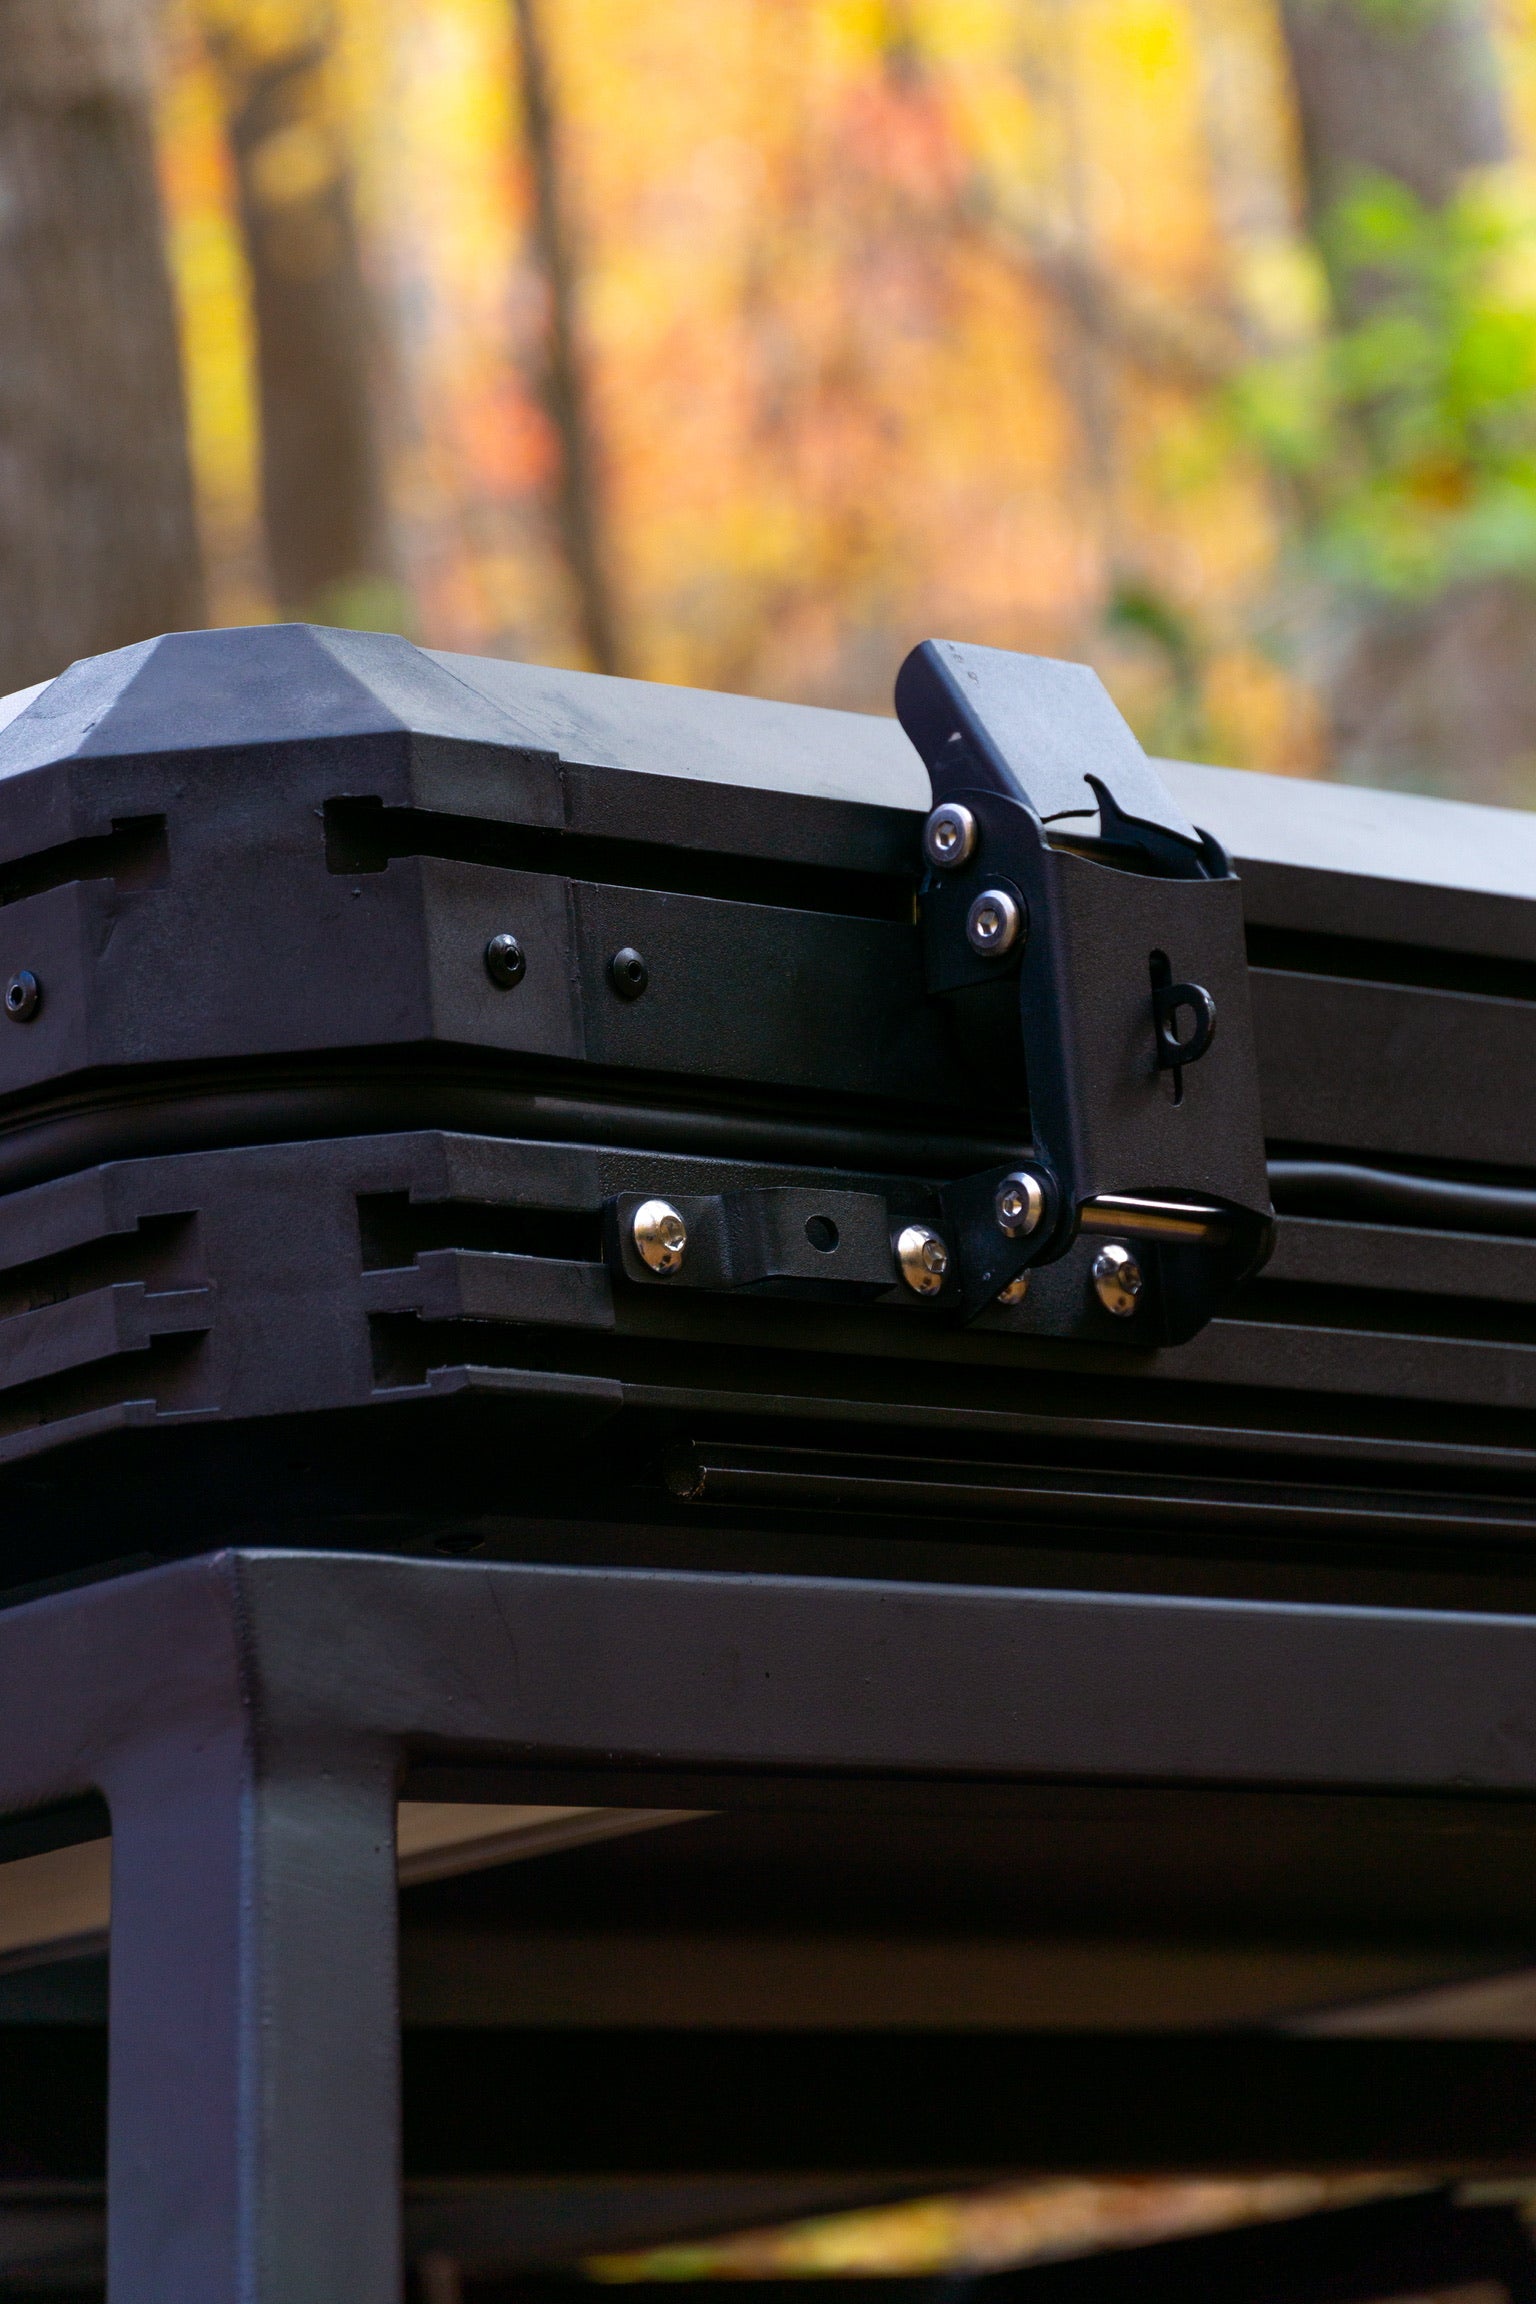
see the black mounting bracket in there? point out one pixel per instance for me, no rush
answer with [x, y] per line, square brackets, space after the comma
[1056, 854]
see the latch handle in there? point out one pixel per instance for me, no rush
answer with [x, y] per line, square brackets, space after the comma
[1042, 732]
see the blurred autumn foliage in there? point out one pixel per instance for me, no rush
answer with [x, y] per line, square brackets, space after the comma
[742, 342]
[889, 318]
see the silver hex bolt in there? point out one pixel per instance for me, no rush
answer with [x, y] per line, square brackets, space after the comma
[660, 1236]
[1019, 1204]
[922, 1258]
[993, 922]
[949, 837]
[1016, 1290]
[1117, 1279]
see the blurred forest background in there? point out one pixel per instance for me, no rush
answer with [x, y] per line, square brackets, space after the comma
[743, 342]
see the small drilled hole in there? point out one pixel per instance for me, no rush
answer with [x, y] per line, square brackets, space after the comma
[821, 1233]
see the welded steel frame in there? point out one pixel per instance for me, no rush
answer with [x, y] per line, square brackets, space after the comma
[251, 1716]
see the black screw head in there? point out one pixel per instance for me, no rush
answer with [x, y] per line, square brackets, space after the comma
[628, 973]
[506, 963]
[23, 997]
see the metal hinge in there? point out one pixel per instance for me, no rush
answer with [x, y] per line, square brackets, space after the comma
[1056, 854]
[1058, 860]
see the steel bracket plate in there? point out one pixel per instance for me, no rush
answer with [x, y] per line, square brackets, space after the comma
[1128, 952]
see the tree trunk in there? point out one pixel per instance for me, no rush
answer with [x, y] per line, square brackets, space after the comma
[567, 398]
[1442, 697]
[1439, 695]
[1409, 90]
[322, 487]
[98, 539]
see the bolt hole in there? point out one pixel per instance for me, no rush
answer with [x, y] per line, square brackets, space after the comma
[821, 1233]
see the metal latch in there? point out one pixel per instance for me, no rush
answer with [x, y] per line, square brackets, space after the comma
[1057, 859]
[1055, 853]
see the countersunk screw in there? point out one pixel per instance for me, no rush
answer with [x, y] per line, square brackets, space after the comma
[660, 1235]
[506, 963]
[949, 837]
[23, 997]
[993, 922]
[1016, 1290]
[628, 973]
[1019, 1204]
[923, 1259]
[1117, 1279]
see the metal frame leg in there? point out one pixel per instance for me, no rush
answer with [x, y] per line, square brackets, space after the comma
[253, 2140]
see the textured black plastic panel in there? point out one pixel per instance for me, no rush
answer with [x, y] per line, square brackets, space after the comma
[275, 1145]
[263, 845]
